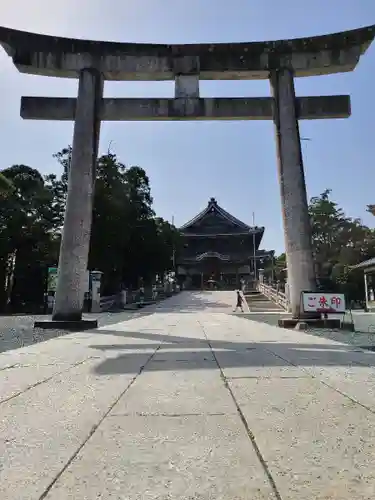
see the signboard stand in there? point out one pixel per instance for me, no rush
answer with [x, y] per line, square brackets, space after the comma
[91, 286]
[326, 304]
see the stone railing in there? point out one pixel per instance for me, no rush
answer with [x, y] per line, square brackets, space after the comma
[124, 298]
[106, 303]
[276, 296]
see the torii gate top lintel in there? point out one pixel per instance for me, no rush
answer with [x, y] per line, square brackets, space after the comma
[66, 57]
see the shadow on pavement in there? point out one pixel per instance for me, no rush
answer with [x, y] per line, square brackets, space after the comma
[364, 334]
[182, 353]
[19, 331]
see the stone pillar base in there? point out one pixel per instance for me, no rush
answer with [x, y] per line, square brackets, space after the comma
[312, 323]
[70, 325]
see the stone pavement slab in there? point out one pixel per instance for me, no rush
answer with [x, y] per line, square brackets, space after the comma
[42, 428]
[313, 439]
[162, 457]
[177, 394]
[187, 401]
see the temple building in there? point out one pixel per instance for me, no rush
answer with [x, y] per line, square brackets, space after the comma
[220, 251]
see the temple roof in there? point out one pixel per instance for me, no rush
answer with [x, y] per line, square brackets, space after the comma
[231, 225]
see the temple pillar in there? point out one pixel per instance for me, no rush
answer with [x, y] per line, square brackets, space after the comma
[296, 220]
[75, 240]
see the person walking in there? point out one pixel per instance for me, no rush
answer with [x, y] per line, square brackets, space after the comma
[239, 301]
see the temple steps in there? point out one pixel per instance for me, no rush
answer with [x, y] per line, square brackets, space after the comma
[258, 302]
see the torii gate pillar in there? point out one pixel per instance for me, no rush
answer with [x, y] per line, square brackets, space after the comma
[76, 232]
[294, 205]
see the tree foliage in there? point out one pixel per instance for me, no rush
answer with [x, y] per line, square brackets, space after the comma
[339, 242]
[27, 238]
[128, 242]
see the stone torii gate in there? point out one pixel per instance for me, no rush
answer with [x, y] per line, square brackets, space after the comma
[94, 62]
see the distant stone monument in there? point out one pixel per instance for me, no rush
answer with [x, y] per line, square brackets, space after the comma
[94, 62]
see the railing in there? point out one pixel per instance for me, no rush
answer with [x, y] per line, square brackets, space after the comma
[249, 287]
[124, 298]
[107, 302]
[276, 296]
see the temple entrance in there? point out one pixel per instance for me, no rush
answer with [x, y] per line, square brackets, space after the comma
[212, 276]
[208, 275]
[213, 270]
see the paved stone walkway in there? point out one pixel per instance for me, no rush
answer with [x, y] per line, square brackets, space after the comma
[187, 401]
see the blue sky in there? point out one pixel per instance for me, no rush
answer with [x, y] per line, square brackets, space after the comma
[188, 162]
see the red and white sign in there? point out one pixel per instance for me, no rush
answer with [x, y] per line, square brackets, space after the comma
[323, 302]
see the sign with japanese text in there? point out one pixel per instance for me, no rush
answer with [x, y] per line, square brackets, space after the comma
[323, 302]
[52, 279]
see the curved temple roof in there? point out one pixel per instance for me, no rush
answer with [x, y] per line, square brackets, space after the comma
[213, 206]
[65, 57]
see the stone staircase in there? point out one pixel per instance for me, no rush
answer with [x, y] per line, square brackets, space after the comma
[259, 303]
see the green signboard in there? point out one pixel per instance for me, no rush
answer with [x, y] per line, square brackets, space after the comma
[52, 279]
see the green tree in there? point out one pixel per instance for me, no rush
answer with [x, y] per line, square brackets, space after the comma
[279, 269]
[128, 242]
[329, 226]
[339, 242]
[166, 246]
[6, 187]
[26, 236]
